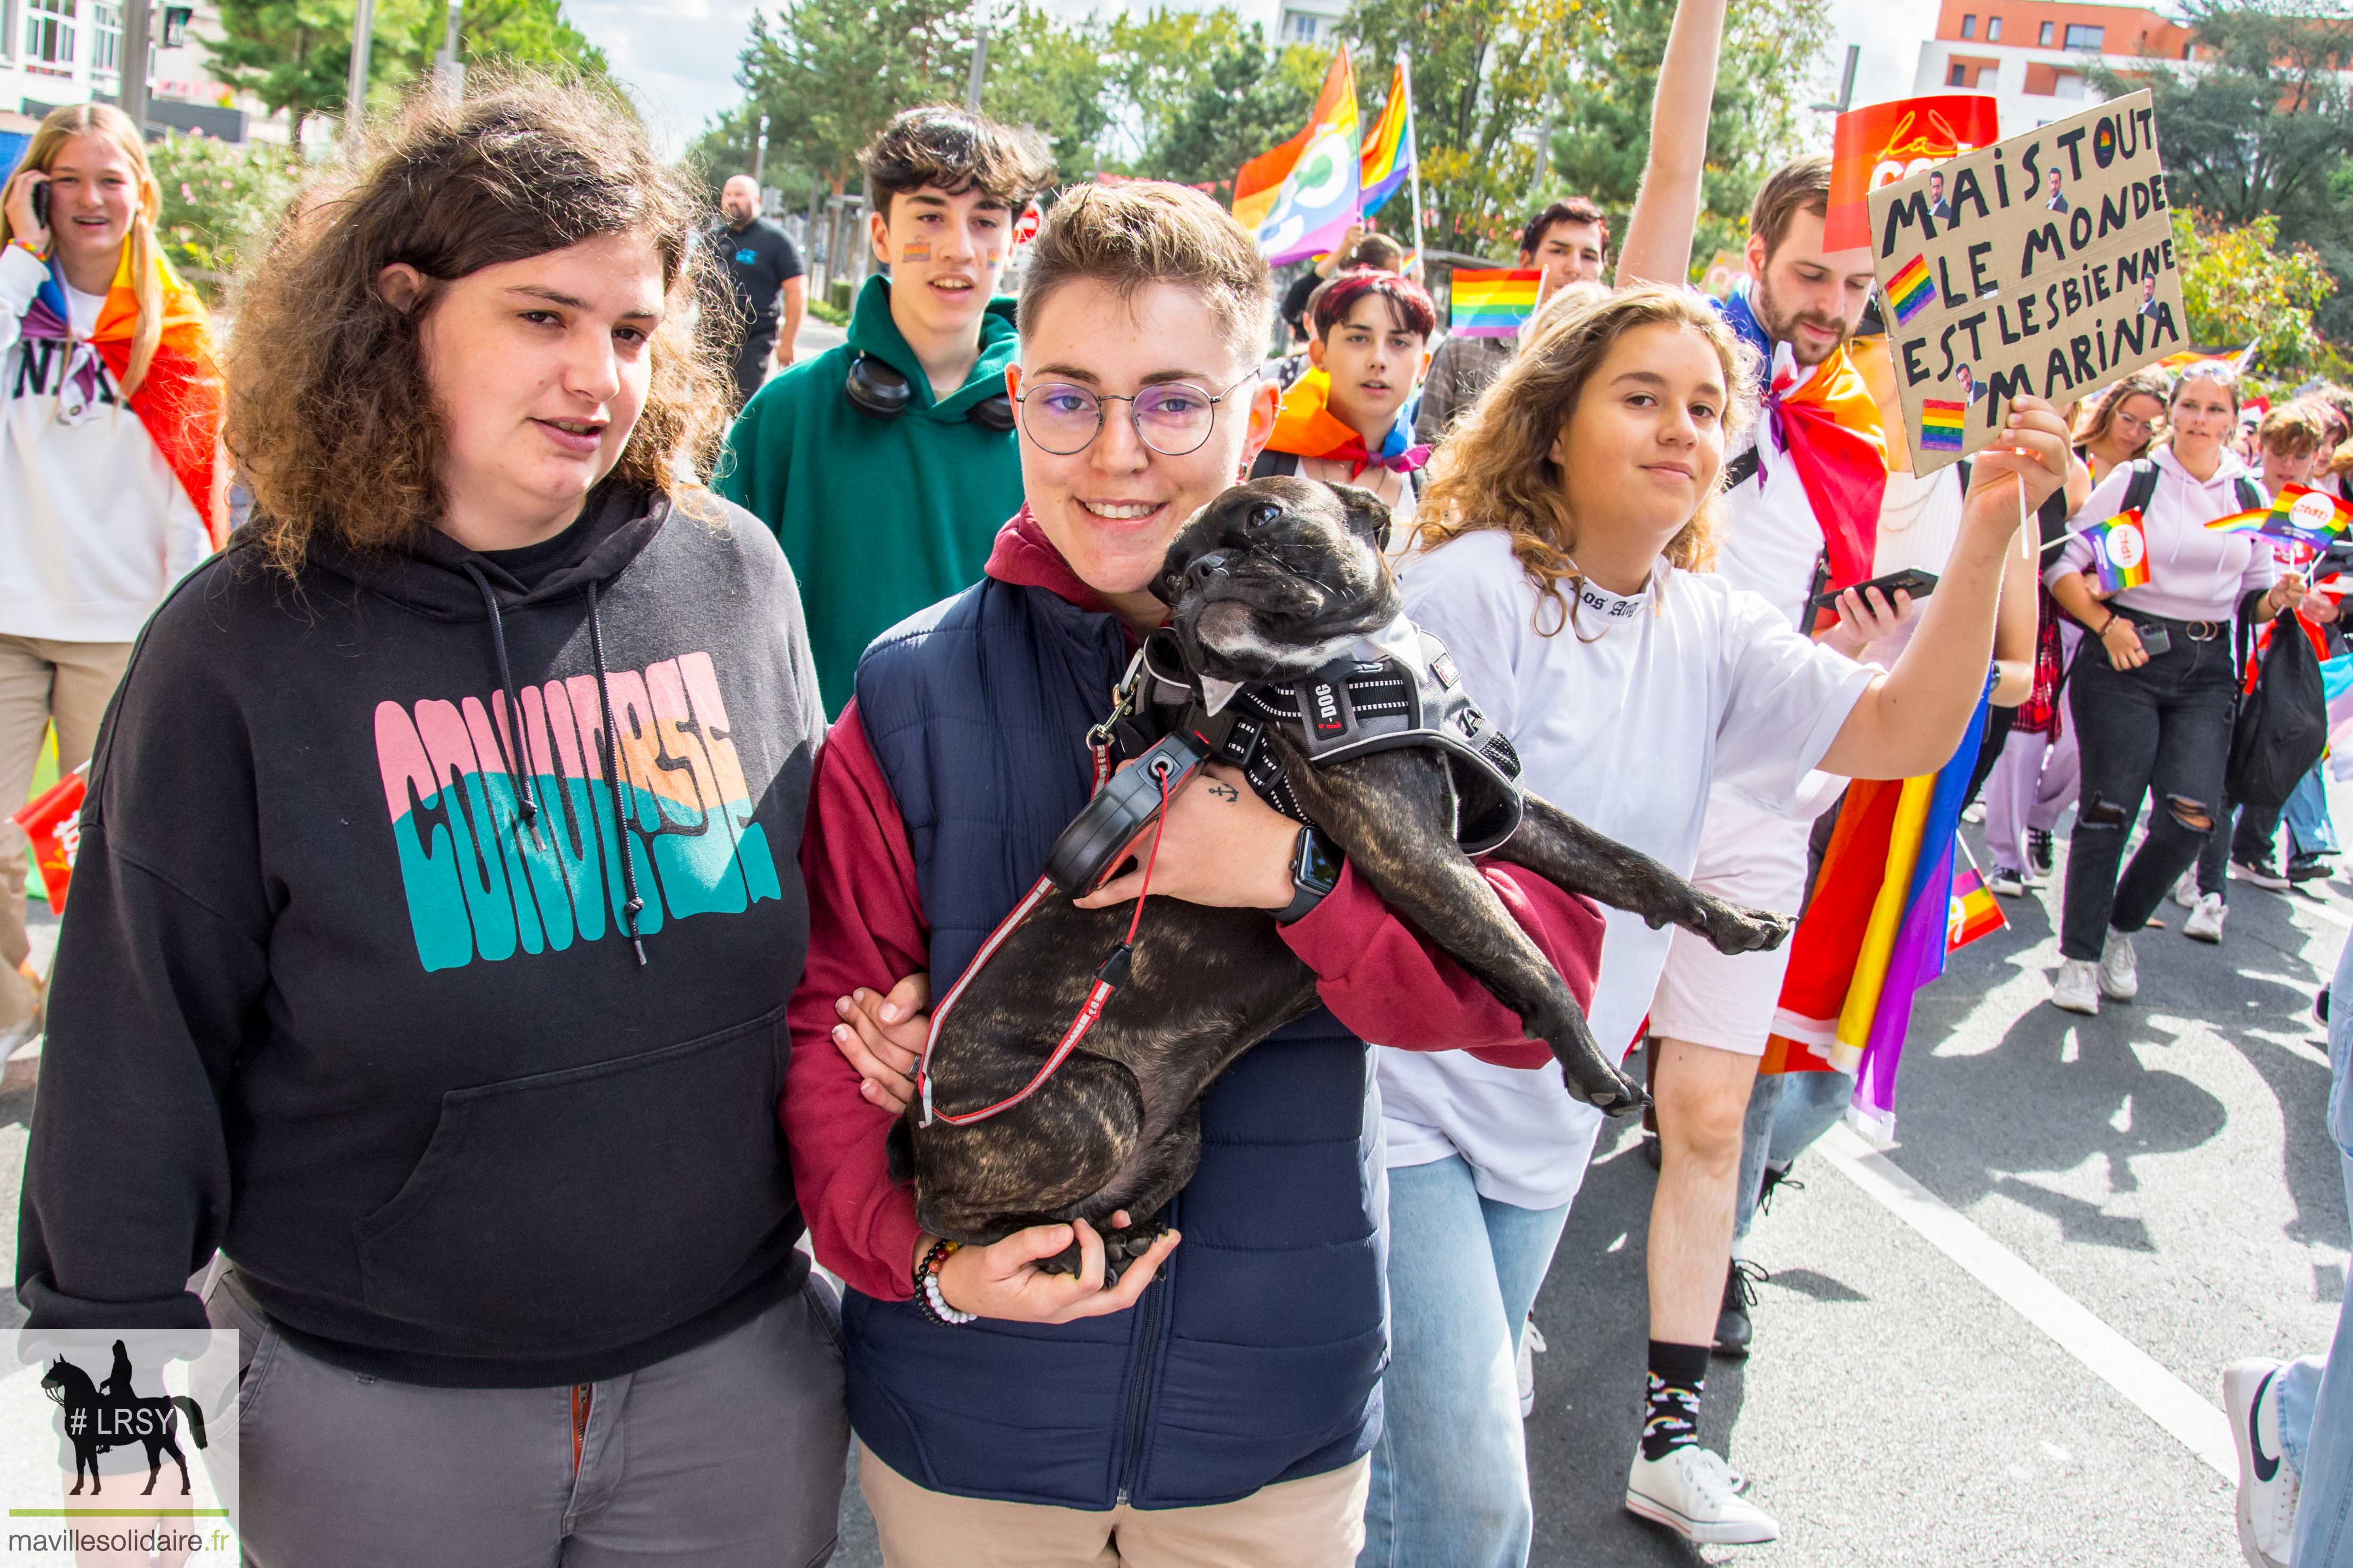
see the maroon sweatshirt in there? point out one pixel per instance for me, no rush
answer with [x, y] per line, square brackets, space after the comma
[1378, 975]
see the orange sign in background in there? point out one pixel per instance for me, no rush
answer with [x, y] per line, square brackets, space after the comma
[1883, 142]
[52, 820]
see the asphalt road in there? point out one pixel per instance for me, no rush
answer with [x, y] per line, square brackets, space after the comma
[2165, 1167]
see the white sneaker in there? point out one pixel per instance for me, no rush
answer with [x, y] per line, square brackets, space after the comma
[1973, 813]
[2184, 890]
[2119, 976]
[2074, 989]
[1692, 1492]
[2205, 921]
[1531, 1346]
[2267, 1483]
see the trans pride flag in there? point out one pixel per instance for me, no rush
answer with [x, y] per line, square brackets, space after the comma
[1388, 148]
[1876, 931]
[1299, 199]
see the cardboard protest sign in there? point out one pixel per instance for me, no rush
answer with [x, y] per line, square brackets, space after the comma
[2042, 264]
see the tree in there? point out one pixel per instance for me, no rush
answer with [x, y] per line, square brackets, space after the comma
[1053, 78]
[220, 201]
[295, 56]
[2240, 285]
[1771, 51]
[829, 73]
[1207, 93]
[1485, 76]
[2261, 122]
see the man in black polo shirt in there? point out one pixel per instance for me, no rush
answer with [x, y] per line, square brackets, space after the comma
[761, 264]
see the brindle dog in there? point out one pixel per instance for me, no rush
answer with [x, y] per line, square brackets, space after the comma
[1269, 582]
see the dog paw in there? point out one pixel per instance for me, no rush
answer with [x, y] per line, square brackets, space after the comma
[1731, 929]
[1604, 1088]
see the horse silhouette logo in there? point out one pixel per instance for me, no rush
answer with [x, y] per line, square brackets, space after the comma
[100, 1417]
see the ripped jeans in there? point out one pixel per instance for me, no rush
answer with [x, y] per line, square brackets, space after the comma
[2160, 732]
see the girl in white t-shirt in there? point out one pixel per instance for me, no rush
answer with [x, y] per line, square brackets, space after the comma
[1553, 557]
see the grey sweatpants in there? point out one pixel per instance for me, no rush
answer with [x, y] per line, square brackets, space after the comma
[728, 1456]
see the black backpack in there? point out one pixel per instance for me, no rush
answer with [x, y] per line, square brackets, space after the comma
[2282, 726]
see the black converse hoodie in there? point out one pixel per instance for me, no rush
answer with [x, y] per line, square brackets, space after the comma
[370, 979]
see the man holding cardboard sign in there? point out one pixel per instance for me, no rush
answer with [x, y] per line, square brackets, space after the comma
[2054, 274]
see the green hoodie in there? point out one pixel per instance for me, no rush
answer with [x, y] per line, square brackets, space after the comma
[881, 518]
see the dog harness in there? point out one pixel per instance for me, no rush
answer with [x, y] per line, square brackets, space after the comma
[1398, 688]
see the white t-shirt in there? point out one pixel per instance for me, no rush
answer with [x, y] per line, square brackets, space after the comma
[94, 527]
[1689, 683]
[1772, 543]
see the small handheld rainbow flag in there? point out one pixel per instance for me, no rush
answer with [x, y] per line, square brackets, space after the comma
[1911, 290]
[1940, 425]
[1974, 911]
[2309, 516]
[2119, 551]
[1492, 304]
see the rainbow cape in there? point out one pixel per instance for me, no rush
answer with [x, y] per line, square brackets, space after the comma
[1876, 931]
[1305, 427]
[1387, 161]
[179, 401]
[2119, 551]
[1301, 197]
[1491, 304]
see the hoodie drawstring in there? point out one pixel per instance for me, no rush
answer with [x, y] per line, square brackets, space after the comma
[630, 907]
[519, 764]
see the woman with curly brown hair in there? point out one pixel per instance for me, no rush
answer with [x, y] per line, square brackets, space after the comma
[436, 904]
[1558, 557]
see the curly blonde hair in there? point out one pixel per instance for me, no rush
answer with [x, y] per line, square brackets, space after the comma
[1496, 469]
[331, 420]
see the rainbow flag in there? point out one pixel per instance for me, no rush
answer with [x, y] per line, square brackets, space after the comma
[1975, 912]
[1911, 290]
[1301, 197]
[1491, 304]
[1387, 161]
[1940, 425]
[1876, 931]
[2120, 550]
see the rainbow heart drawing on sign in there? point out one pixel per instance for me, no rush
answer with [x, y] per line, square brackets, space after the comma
[1911, 290]
[2119, 551]
[1940, 425]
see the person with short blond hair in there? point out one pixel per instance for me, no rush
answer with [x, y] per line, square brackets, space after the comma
[2291, 440]
[1219, 1403]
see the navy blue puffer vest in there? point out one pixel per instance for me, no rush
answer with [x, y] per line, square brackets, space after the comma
[1255, 1357]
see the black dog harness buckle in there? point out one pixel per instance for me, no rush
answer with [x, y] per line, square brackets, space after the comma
[1399, 689]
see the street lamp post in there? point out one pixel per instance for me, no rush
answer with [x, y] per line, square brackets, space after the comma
[130, 65]
[448, 71]
[356, 88]
[979, 57]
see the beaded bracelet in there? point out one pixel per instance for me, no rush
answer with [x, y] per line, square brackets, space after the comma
[929, 1300]
[28, 247]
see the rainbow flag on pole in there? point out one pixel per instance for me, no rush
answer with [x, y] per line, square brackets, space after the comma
[2120, 550]
[1389, 147]
[1492, 304]
[1975, 912]
[1876, 931]
[1911, 290]
[2297, 515]
[1299, 199]
[1940, 425]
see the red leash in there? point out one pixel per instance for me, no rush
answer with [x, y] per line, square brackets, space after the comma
[1109, 976]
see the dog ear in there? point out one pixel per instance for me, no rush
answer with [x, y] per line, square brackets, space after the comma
[1367, 515]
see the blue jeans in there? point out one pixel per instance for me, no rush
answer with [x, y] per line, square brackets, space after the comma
[2321, 1445]
[1786, 1112]
[1450, 1471]
[2310, 829]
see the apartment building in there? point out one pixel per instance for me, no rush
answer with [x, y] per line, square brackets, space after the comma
[2030, 55]
[70, 51]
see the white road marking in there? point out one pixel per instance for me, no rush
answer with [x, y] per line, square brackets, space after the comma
[2198, 1423]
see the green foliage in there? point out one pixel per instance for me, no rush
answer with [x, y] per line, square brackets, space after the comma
[1052, 79]
[829, 73]
[2261, 124]
[219, 201]
[2240, 284]
[1771, 50]
[1209, 94]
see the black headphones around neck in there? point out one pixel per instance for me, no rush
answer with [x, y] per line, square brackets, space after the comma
[880, 392]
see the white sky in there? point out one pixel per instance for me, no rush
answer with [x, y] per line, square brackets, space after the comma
[679, 55]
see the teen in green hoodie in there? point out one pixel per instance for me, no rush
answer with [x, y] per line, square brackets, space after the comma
[883, 514]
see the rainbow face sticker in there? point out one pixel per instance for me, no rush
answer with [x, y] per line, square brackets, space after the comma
[914, 250]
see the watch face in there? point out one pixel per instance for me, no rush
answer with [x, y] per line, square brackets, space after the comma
[1319, 862]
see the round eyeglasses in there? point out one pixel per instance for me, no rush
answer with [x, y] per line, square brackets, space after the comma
[1173, 419]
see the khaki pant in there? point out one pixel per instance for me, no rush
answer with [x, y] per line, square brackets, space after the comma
[40, 681]
[1318, 1522]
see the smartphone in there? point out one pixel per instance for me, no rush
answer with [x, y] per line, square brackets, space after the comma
[2154, 640]
[41, 205]
[1911, 580]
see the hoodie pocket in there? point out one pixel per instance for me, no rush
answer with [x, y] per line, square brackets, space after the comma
[589, 1207]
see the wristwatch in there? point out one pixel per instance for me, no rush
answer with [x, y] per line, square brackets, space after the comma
[1315, 871]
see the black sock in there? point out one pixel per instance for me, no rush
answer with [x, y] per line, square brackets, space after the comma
[1677, 1375]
